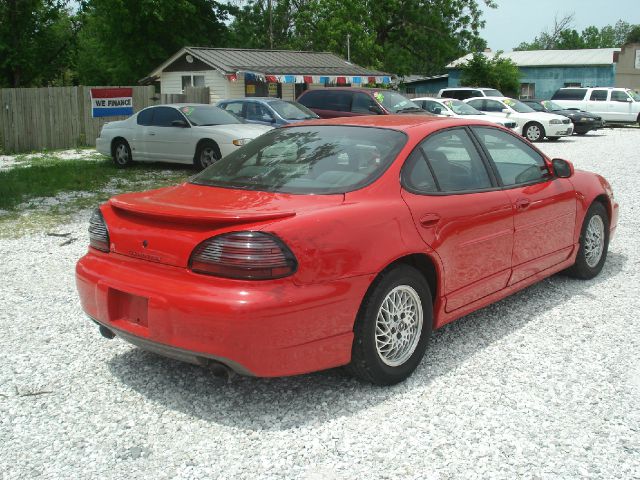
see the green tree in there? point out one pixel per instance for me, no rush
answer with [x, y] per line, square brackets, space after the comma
[37, 41]
[634, 35]
[494, 72]
[410, 36]
[122, 41]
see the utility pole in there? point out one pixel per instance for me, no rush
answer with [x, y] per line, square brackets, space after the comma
[348, 47]
[270, 26]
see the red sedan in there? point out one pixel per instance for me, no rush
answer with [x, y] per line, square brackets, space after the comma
[340, 242]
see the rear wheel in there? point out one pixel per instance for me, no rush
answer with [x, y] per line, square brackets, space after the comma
[393, 327]
[534, 132]
[121, 153]
[207, 154]
[594, 243]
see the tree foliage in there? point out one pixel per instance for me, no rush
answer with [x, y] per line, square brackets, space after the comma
[493, 72]
[561, 36]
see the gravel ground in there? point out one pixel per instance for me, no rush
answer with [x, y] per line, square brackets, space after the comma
[544, 384]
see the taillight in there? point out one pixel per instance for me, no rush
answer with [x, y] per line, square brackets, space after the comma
[98, 233]
[244, 255]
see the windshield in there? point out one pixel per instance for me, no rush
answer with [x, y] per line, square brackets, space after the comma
[309, 159]
[292, 110]
[394, 102]
[201, 115]
[518, 106]
[635, 95]
[461, 108]
[553, 106]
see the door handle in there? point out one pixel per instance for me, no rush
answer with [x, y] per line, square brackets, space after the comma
[429, 220]
[523, 203]
[152, 133]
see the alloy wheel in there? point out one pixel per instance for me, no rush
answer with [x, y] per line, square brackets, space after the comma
[594, 241]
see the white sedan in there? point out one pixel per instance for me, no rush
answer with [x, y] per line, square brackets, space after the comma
[450, 107]
[190, 134]
[535, 125]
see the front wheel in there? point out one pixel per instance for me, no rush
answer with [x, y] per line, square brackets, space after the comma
[122, 153]
[534, 132]
[594, 243]
[392, 328]
[207, 154]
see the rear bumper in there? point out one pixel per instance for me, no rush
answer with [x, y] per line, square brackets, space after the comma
[103, 146]
[562, 130]
[265, 329]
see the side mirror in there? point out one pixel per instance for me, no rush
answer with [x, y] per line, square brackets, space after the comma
[267, 118]
[506, 110]
[375, 109]
[437, 110]
[562, 168]
[629, 100]
[179, 123]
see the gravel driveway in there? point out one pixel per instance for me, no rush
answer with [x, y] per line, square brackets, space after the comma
[544, 384]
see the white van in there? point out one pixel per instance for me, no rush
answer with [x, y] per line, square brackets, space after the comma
[612, 104]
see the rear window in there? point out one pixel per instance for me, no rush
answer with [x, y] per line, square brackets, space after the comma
[308, 159]
[569, 94]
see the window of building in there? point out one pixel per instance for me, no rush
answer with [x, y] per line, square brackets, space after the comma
[192, 81]
[527, 90]
[572, 84]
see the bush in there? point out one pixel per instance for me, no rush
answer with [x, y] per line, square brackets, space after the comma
[497, 72]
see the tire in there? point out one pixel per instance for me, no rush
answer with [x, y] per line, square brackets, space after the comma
[582, 133]
[594, 243]
[534, 132]
[380, 353]
[207, 154]
[553, 139]
[121, 153]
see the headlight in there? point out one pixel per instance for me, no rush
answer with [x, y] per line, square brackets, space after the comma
[238, 142]
[555, 121]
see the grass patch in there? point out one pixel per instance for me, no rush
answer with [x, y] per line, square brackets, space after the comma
[46, 191]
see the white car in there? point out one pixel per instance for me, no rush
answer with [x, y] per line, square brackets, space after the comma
[535, 125]
[450, 107]
[180, 133]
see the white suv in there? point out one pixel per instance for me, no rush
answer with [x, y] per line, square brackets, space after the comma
[612, 104]
[462, 93]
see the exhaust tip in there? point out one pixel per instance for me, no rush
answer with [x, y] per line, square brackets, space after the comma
[220, 370]
[106, 333]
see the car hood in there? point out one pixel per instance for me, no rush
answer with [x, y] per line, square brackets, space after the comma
[165, 225]
[238, 130]
[542, 117]
[569, 113]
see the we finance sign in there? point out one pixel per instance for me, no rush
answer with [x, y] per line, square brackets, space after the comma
[111, 102]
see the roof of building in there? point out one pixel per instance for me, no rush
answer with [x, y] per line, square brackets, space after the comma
[549, 58]
[270, 62]
[422, 78]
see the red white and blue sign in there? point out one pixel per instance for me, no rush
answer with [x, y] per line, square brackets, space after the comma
[111, 102]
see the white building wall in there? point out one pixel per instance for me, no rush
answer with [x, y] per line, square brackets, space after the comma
[288, 91]
[171, 82]
[218, 85]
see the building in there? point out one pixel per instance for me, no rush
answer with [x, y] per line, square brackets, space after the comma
[416, 85]
[628, 67]
[544, 71]
[237, 72]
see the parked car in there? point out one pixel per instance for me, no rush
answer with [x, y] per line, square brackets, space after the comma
[583, 122]
[462, 93]
[180, 133]
[267, 111]
[535, 125]
[339, 242]
[353, 102]
[450, 107]
[612, 104]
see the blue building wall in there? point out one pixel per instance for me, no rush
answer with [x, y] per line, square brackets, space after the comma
[548, 79]
[430, 86]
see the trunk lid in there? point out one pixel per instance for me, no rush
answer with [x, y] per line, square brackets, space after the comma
[165, 225]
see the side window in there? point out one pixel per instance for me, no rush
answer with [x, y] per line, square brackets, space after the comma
[493, 106]
[338, 101]
[144, 117]
[416, 174]
[476, 93]
[454, 162]
[569, 94]
[516, 162]
[313, 99]
[361, 103]
[163, 116]
[619, 96]
[233, 107]
[478, 104]
[257, 111]
[433, 107]
[599, 96]
[536, 106]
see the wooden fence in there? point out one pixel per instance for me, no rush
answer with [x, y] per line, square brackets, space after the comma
[60, 117]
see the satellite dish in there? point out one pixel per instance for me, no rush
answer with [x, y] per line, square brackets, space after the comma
[189, 59]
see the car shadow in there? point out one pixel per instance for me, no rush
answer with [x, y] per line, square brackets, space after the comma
[290, 402]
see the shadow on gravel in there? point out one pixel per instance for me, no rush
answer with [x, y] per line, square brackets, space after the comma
[285, 403]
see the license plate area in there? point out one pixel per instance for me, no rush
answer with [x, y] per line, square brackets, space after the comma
[127, 307]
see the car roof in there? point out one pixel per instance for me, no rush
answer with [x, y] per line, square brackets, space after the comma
[469, 88]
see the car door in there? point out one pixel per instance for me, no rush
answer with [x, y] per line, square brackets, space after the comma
[621, 106]
[460, 213]
[167, 142]
[544, 206]
[139, 132]
[597, 103]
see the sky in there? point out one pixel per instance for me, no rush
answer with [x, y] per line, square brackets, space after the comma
[516, 21]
